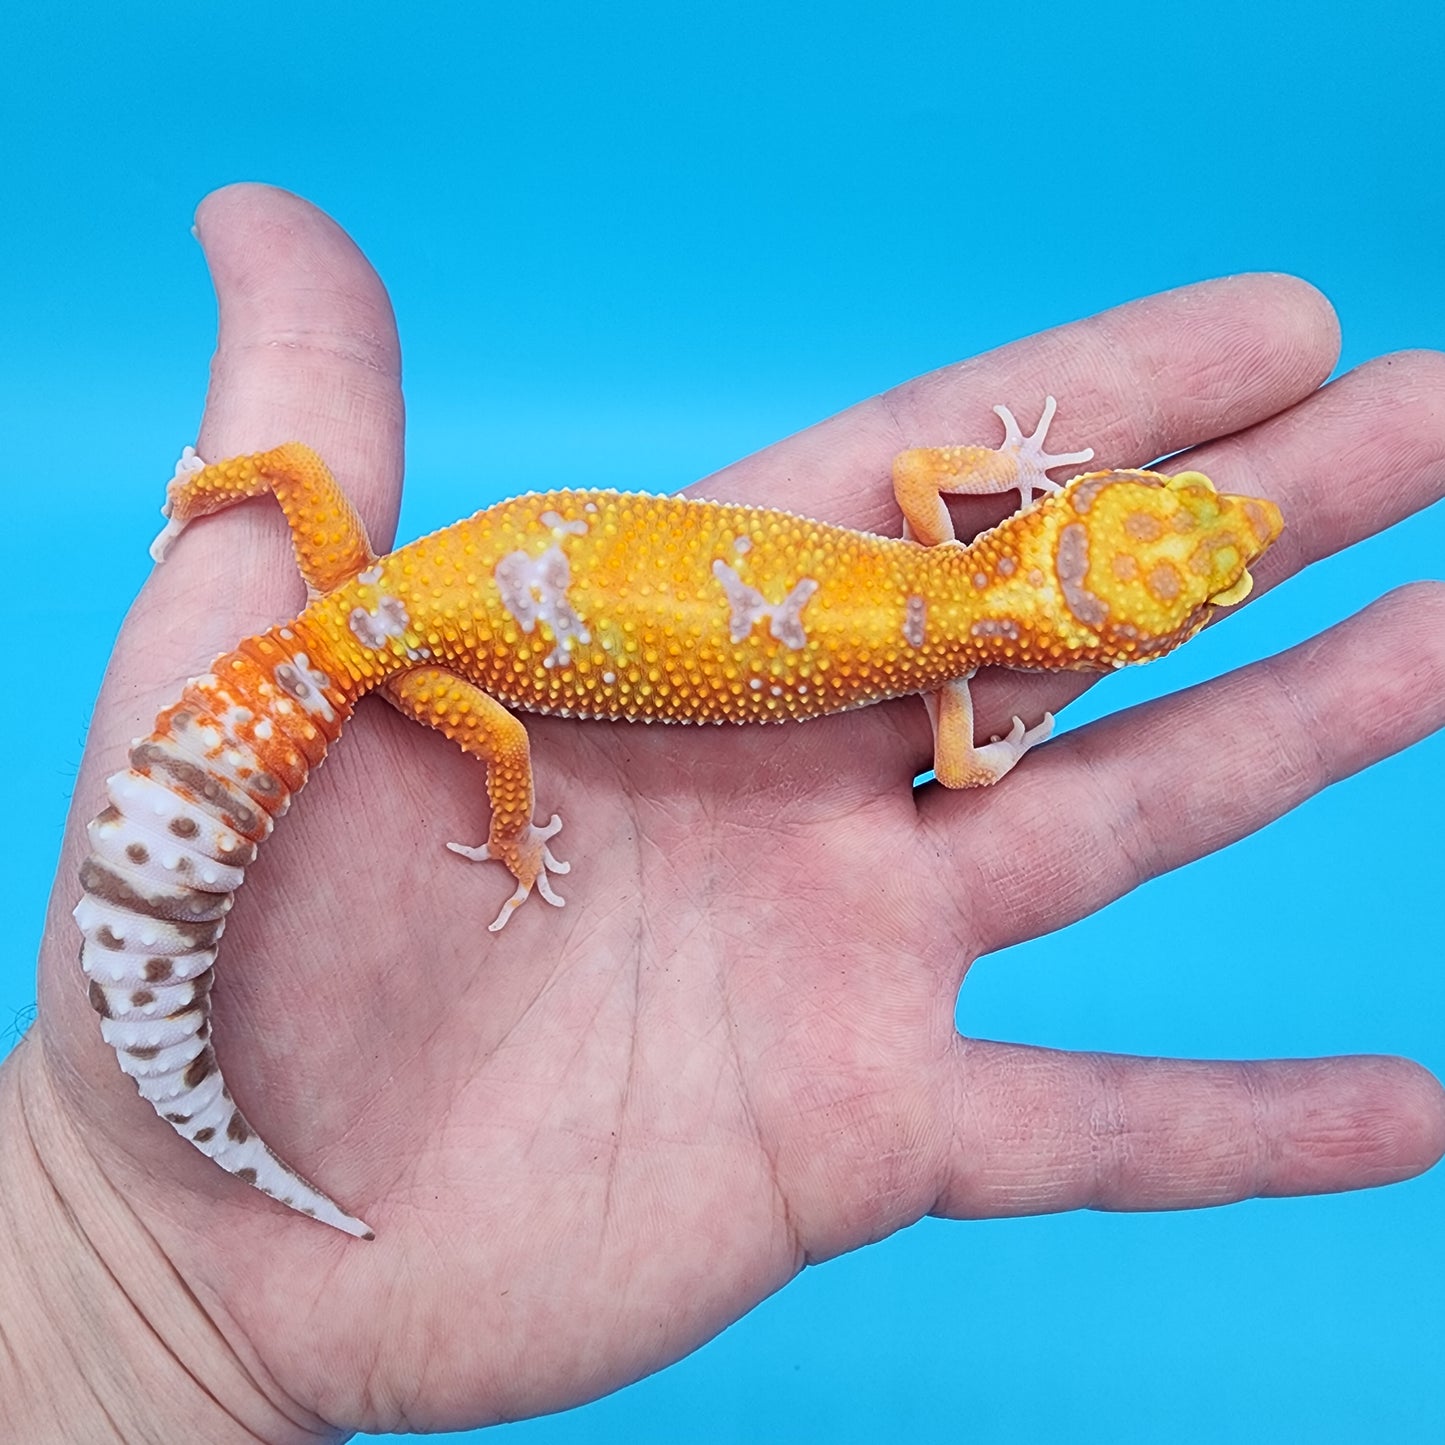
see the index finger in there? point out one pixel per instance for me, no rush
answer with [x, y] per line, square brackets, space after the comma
[1136, 382]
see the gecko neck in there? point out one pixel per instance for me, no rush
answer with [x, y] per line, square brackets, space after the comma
[987, 607]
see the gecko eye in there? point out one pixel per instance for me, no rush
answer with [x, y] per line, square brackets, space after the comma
[1184, 481]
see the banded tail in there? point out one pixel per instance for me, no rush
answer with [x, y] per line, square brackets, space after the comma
[167, 856]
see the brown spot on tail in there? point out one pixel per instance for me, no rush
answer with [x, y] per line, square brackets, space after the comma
[200, 1068]
[153, 758]
[198, 935]
[99, 1001]
[248, 1175]
[237, 1130]
[200, 993]
[180, 906]
[194, 1005]
[241, 856]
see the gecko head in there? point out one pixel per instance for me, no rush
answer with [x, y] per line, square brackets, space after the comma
[1151, 556]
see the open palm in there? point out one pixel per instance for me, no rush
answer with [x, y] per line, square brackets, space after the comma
[589, 1142]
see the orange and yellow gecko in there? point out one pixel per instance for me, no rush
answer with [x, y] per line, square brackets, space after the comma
[601, 605]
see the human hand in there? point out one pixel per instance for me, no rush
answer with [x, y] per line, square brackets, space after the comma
[591, 1141]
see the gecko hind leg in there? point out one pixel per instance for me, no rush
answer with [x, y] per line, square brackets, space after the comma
[482, 727]
[922, 475]
[328, 536]
[957, 761]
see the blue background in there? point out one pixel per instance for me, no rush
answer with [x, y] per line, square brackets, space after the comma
[663, 239]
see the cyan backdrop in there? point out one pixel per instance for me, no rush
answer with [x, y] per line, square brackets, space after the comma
[663, 236]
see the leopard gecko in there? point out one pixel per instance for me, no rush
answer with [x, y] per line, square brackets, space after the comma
[594, 604]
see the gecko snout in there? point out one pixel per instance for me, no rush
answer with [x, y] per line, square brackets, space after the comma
[1229, 532]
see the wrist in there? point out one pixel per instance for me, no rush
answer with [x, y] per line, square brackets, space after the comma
[100, 1338]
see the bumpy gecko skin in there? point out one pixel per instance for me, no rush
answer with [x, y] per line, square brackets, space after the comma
[600, 605]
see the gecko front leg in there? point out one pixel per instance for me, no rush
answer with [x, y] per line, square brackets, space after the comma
[922, 475]
[957, 761]
[481, 726]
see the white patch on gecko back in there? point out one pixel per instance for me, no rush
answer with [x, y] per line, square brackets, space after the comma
[915, 610]
[370, 577]
[376, 628]
[533, 590]
[556, 523]
[995, 627]
[749, 607]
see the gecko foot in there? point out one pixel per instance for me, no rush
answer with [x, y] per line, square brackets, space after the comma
[188, 464]
[528, 859]
[1033, 461]
[999, 756]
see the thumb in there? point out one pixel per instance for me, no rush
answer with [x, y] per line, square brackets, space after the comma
[307, 351]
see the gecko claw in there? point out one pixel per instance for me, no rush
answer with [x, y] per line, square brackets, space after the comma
[508, 908]
[1033, 461]
[999, 756]
[529, 860]
[165, 537]
[188, 465]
